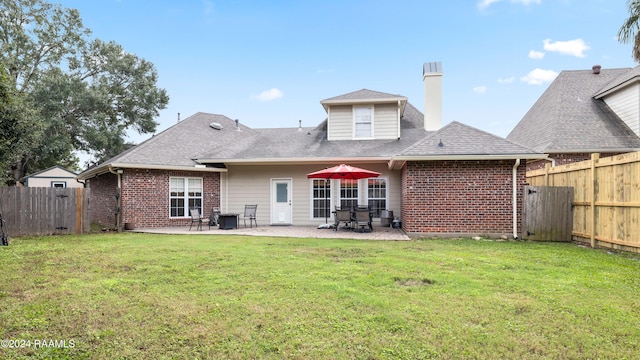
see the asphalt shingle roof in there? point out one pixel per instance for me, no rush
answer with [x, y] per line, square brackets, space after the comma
[364, 94]
[193, 141]
[567, 117]
[457, 139]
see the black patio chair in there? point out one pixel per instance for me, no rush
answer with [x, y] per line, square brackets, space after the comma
[196, 218]
[363, 218]
[250, 213]
[343, 216]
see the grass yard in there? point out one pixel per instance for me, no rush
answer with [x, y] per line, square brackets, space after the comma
[143, 296]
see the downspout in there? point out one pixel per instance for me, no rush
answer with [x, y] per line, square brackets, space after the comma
[118, 197]
[515, 199]
[399, 118]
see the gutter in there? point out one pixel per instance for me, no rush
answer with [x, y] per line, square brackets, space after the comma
[108, 168]
[587, 151]
[306, 160]
[471, 157]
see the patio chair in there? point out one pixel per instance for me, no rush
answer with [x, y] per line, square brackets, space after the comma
[362, 218]
[196, 218]
[343, 216]
[250, 213]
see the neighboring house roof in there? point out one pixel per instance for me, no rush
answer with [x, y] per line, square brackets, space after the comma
[624, 79]
[56, 169]
[206, 142]
[54, 172]
[569, 118]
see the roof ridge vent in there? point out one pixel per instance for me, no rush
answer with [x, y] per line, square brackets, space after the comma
[215, 125]
[596, 69]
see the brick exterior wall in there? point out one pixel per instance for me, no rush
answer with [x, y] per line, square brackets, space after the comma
[102, 199]
[145, 197]
[461, 197]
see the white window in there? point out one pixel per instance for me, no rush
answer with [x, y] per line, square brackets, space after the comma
[184, 193]
[377, 195]
[321, 198]
[348, 193]
[59, 184]
[363, 122]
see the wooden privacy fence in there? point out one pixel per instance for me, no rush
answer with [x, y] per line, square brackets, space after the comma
[606, 206]
[45, 211]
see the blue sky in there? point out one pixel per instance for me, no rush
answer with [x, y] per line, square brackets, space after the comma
[270, 63]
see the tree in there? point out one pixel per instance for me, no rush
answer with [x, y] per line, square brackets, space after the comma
[19, 132]
[629, 30]
[87, 92]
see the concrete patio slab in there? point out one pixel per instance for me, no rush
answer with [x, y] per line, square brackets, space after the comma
[378, 233]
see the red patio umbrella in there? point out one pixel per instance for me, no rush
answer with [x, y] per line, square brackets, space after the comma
[341, 171]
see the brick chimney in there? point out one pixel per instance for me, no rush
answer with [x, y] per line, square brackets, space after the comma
[432, 78]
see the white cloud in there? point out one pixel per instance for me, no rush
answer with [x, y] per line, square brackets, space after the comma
[536, 55]
[480, 89]
[508, 80]
[539, 76]
[269, 95]
[483, 4]
[208, 7]
[575, 47]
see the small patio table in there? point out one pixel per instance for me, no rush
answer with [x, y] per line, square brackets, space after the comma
[228, 221]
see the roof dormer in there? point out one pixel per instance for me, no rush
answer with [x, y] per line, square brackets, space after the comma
[364, 115]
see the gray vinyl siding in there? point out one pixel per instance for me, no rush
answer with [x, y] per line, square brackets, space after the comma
[626, 104]
[386, 121]
[243, 185]
[340, 124]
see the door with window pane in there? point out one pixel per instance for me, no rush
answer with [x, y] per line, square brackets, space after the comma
[281, 207]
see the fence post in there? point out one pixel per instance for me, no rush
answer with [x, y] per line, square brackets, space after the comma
[547, 167]
[594, 160]
[79, 212]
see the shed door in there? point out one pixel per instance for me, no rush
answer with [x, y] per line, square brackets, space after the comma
[281, 209]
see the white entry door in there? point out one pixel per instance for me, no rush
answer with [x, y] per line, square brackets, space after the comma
[281, 209]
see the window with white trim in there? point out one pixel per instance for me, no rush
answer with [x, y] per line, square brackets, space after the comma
[59, 184]
[363, 122]
[348, 193]
[184, 193]
[377, 195]
[321, 198]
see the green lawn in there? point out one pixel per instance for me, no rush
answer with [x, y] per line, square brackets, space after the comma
[143, 296]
